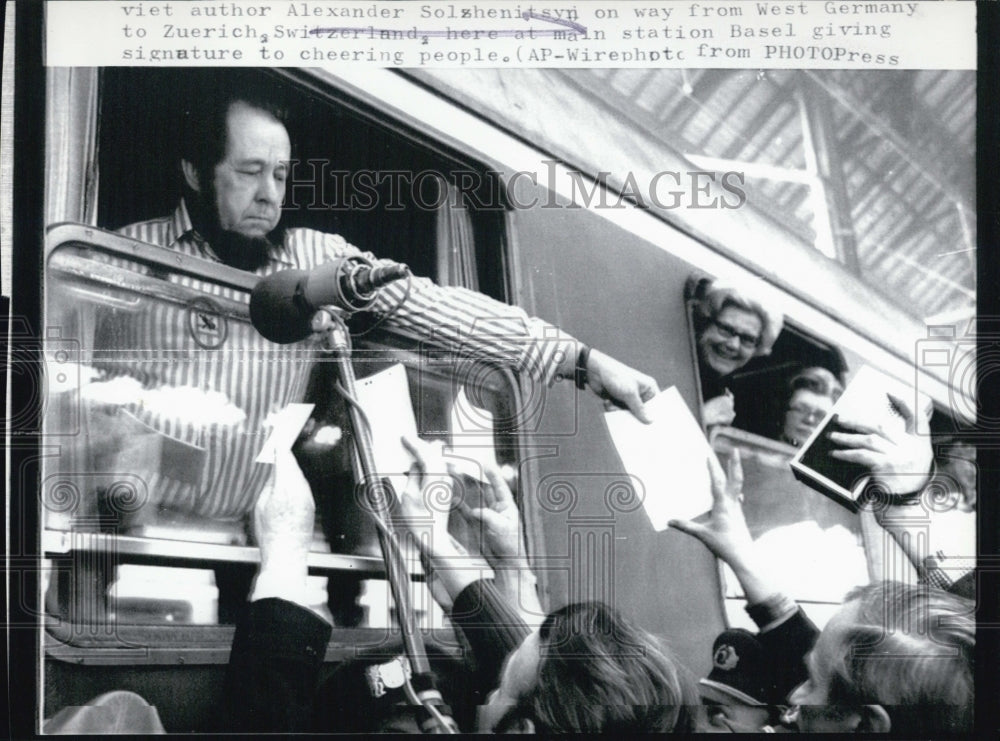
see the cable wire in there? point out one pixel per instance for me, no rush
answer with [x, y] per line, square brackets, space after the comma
[389, 314]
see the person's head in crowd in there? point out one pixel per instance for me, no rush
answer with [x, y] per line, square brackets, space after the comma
[589, 670]
[736, 692]
[733, 325]
[235, 156]
[895, 658]
[956, 457]
[811, 394]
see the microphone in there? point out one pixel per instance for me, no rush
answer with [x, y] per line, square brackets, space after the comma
[282, 304]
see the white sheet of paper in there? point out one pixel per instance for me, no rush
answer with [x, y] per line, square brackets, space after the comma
[471, 438]
[385, 397]
[285, 428]
[668, 456]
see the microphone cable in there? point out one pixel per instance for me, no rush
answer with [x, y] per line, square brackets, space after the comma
[445, 723]
[389, 314]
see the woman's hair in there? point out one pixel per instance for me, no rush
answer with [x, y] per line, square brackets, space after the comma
[599, 673]
[715, 296]
[818, 380]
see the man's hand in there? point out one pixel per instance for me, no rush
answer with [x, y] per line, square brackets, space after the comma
[618, 383]
[283, 521]
[725, 532]
[425, 503]
[284, 514]
[503, 543]
[898, 457]
[718, 411]
[499, 519]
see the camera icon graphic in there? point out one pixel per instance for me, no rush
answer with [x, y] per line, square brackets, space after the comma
[51, 369]
[964, 361]
[486, 370]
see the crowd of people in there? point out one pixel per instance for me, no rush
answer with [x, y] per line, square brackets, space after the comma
[894, 658]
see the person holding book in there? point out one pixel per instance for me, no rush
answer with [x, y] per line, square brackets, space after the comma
[895, 657]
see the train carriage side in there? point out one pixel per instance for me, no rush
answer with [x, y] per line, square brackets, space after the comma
[615, 278]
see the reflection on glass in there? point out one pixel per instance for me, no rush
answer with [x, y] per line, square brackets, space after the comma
[812, 545]
[158, 422]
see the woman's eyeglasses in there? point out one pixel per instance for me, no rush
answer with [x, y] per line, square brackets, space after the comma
[728, 331]
[807, 412]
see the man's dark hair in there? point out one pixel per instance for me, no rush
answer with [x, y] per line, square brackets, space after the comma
[203, 143]
[599, 673]
[910, 651]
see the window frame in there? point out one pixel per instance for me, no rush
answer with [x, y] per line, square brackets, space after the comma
[60, 545]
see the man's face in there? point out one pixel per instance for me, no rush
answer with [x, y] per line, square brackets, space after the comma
[730, 340]
[248, 184]
[518, 677]
[812, 696]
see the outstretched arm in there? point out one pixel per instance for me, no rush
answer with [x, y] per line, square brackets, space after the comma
[280, 642]
[478, 326]
[725, 532]
[487, 618]
[500, 524]
[919, 505]
[786, 632]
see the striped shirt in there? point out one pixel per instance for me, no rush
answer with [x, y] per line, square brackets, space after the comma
[167, 345]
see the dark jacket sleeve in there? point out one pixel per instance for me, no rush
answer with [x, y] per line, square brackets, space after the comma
[787, 645]
[965, 587]
[490, 626]
[274, 668]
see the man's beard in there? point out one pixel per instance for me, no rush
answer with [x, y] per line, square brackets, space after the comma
[234, 249]
[239, 250]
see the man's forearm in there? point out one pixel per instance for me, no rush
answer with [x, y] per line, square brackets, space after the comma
[753, 577]
[941, 544]
[516, 581]
[476, 325]
[274, 667]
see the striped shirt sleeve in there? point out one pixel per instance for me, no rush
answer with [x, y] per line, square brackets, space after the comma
[465, 322]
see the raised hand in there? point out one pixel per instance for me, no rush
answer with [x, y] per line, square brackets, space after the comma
[724, 532]
[425, 503]
[718, 411]
[898, 456]
[499, 518]
[285, 512]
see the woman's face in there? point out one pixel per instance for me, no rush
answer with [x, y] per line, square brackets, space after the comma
[805, 410]
[730, 340]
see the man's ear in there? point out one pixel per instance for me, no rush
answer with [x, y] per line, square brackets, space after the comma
[521, 725]
[873, 719]
[191, 177]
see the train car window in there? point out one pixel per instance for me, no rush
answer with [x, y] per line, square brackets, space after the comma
[773, 401]
[763, 417]
[350, 176]
[725, 336]
[142, 497]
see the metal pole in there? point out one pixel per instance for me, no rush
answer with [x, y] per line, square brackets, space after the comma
[338, 344]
